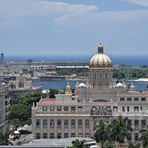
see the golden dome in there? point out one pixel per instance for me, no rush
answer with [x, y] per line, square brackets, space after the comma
[100, 59]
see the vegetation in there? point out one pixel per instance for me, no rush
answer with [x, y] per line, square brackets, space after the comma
[116, 131]
[144, 136]
[20, 110]
[4, 139]
[78, 144]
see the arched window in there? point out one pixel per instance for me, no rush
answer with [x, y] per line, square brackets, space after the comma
[51, 123]
[80, 123]
[73, 123]
[59, 123]
[38, 122]
[45, 123]
[65, 122]
[86, 123]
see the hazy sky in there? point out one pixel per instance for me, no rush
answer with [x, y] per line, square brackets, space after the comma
[73, 27]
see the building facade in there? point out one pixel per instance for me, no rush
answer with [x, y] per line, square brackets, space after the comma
[4, 107]
[99, 99]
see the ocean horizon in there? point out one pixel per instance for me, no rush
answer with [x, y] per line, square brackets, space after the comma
[129, 60]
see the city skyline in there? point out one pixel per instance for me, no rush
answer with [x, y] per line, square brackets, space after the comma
[68, 27]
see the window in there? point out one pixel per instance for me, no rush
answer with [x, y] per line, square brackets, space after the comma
[143, 99]
[65, 123]
[115, 108]
[66, 135]
[86, 123]
[79, 134]
[122, 99]
[52, 135]
[45, 135]
[129, 99]
[65, 108]
[136, 137]
[37, 135]
[136, 108]
[73, 109]
[45, 123]
[44, 108]
[123, 108]
[136, 99]
[129, 122]
[136, 122]
[73, 98]
[143, 123]
[51, 123]
[38, 122]
[59, 123]
[59, 135]
[73, 135]
[52, 108]
[80, 123]
[127, 108]
[59, 108]
[73, 123]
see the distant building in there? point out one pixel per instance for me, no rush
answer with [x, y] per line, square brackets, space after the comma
[99, 99]
[22, 86]
[4, 107]
[2, 59]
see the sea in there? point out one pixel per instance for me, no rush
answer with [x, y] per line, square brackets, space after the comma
[134, 61]
[61, 84]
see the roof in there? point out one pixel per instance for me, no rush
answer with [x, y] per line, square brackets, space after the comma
[47, 101]
[141, 80]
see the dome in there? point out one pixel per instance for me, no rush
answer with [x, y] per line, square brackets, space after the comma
[82, 85]
[119, 85]
[100, 59]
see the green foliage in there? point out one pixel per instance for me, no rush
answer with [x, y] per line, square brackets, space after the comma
[144, 136]
[109, 144]
[131, 145]
[100, 135]
[78, 144]
[20, 111]
[117, 131]
[4, 139]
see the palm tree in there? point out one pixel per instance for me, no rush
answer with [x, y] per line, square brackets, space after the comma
[100, 134]
[144, 136]
[78, 144]
[119, 130]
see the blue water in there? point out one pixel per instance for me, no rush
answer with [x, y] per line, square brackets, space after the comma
[139, 86]
[116, 59]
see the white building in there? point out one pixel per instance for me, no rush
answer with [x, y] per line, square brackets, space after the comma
[76, 115]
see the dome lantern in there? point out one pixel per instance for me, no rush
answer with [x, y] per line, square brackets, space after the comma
[100, 48]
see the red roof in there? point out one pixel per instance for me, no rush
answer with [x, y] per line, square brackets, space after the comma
[47, 101]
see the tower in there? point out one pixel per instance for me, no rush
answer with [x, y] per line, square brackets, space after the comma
[100, 70]
[2, 59]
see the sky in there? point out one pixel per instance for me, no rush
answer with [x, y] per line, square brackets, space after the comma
[73, 27]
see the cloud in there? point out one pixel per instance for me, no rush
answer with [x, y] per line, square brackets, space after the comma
[21, 8]
[138, 2]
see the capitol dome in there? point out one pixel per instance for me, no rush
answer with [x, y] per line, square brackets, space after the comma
[100, 59]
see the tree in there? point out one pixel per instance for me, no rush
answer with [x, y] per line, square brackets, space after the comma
[144, 136]
[100, 134]
[119, 130]
[78, 144]
[4, 139]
